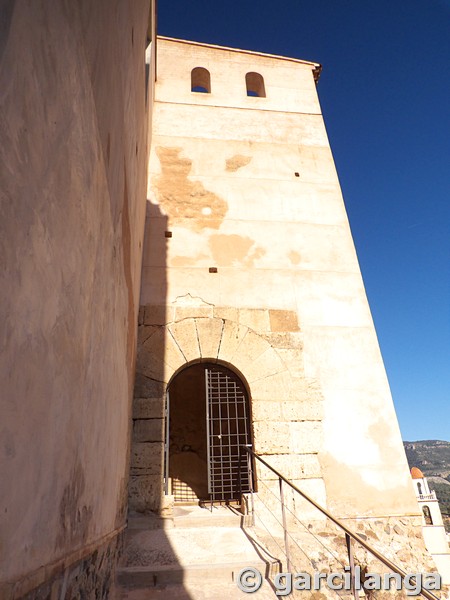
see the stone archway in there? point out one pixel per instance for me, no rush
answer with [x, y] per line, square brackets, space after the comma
[212, 339]
[285, 405]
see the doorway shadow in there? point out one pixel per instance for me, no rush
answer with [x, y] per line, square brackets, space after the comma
[209, 420]
[150, 560]
[187, 459]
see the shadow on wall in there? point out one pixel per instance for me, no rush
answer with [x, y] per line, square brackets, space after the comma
[148, 549]
[146, 491]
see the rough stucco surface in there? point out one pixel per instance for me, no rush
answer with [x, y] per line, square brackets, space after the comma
[248, 186]
[73, 172]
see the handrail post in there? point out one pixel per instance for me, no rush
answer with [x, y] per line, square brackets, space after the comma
[283, 514]
[250, 482]
[351, 561]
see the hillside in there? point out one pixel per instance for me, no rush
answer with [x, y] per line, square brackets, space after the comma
[432, 457]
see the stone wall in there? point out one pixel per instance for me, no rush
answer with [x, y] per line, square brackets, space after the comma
[91, 577]
[319, 546]
[73, 158]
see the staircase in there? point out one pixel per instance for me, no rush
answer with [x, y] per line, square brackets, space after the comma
[194, 555]
[197, 553]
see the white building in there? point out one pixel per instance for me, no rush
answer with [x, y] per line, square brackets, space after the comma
[434, 534]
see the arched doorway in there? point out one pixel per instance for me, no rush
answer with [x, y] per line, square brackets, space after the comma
[208, 418]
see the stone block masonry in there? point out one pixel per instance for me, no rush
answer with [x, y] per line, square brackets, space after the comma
[87, 577]
[286, 406]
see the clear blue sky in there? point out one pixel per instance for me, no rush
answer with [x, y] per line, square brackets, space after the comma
[385, 96]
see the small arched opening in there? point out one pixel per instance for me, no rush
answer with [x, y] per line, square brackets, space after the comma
[200, 80]
[208, 420]
[427, 515]
[255, 85]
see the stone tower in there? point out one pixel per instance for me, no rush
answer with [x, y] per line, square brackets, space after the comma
[251, 283]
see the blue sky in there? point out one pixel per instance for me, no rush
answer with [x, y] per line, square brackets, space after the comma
[385, 96]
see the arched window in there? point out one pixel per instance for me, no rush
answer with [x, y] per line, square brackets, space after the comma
[427, 515]
[419, 488]
[200, 80]
[255, 85]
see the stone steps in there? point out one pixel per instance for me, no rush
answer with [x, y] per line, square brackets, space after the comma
[188, 516]
[186, 591]
[221, 574]
[196, 555]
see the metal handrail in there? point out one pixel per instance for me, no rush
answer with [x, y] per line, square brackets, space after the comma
[349, 533]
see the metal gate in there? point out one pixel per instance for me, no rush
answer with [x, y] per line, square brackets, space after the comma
[228, 427]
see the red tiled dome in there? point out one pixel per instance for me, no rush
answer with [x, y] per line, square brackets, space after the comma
[416, 473]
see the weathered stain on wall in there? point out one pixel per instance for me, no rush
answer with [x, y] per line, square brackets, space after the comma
[74, 515]
[294, 257]
[236, 162]
[342, 479]
[283, 320]
[232, 249]
[182, 198]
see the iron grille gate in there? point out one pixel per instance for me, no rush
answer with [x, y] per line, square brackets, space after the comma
[228, 427]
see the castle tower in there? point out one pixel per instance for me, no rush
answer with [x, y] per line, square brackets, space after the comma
[252, 298]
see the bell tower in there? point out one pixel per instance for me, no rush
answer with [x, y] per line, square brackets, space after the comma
[249, 265]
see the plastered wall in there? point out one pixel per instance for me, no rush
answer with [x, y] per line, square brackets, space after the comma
[247, 186]
[73, 188]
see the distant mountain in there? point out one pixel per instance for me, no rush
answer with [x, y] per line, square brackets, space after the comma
[432, 457]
